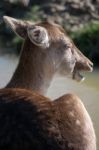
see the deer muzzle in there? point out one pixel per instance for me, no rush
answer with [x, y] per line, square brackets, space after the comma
[81, 67]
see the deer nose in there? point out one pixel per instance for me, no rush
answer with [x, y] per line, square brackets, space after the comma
[90, 64]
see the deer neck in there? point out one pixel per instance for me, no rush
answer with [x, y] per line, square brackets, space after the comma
[34, 71]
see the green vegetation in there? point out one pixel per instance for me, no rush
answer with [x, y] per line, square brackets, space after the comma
[7, 38]
[33, 10]
[87, 40]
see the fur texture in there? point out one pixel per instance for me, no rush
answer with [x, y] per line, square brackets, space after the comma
[30, 121]
[47, 50]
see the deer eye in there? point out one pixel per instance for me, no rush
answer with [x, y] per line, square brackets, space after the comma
[66, 46]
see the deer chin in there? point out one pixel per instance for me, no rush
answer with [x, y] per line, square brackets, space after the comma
[78, 76]
[78, 69]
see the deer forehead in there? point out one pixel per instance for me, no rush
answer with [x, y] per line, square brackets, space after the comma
[53, 30]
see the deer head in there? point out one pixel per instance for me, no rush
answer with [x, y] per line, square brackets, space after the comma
[51, 39]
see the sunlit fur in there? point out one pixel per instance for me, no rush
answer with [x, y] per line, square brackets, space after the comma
[47, 50]
[30, 121]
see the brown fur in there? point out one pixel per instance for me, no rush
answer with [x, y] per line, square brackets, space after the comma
[38, 64]
[34, 70]
[31, 121]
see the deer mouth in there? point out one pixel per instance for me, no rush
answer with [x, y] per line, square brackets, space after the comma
[77, 76]
[79, 68]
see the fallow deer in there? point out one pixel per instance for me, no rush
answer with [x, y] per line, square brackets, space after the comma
[46, 50]
[30, 121]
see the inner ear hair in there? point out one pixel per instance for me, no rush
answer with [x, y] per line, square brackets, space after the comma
[38, 35]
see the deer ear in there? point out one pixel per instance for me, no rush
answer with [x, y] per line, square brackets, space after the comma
[38, 35]
[18, 26]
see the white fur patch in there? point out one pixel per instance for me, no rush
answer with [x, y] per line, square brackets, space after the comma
[78, 122]
[71, 113]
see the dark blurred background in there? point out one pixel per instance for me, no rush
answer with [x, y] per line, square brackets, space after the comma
[80, 18]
